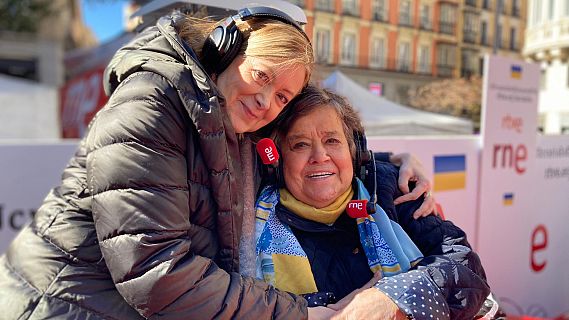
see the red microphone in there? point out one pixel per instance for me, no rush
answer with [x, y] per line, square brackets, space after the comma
[268, 151]
[357, 209]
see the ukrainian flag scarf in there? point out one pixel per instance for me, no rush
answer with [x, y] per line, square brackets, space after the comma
[281, 261]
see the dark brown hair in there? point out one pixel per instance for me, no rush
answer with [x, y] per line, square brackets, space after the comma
[312, 98]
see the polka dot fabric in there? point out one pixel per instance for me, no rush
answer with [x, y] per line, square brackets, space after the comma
[416, 295]
[319, 299]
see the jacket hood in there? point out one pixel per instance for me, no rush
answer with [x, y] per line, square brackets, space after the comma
[160, 49]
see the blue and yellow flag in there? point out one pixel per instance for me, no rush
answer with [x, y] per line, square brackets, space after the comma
[450, 172]
[508, 199]
[516, 71]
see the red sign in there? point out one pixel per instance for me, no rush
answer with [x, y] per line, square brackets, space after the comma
[376, 88]
[81, 98]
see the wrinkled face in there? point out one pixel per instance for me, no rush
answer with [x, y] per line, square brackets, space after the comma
[317, 161]
[256, 92]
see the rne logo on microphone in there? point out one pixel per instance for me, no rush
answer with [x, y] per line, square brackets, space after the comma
[357, 209]
[356, 205]
[269, 153]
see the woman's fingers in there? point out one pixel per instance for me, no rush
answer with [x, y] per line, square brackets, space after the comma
[427, 207]
[421, 187]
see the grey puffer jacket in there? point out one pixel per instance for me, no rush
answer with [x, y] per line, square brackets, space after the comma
[147, 220]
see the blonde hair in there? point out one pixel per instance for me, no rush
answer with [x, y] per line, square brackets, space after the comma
[281, 43]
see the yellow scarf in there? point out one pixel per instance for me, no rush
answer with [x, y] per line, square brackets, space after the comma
[326, 215]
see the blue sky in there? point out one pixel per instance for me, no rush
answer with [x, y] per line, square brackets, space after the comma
[104, 17]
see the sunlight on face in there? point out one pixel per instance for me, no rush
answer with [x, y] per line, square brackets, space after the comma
[256, 92]
[317, 161]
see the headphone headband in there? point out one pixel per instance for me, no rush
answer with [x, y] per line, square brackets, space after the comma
[224, 42]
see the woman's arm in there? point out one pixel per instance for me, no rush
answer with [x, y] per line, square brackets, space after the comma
[143, 203]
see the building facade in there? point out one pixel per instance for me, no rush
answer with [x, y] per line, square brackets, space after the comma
[391, 46]
[39, 56]
[547, 42]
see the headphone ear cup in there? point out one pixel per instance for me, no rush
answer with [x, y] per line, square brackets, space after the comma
[221, 47]
[363, 155]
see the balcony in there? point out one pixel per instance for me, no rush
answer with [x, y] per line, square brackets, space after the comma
[446, 27]
[379, 15]
[467, 72]
[404, 65]
[470, 36]
[424, 69]
[426, 25]
[444, 70]
[405, 19]
[351, 12]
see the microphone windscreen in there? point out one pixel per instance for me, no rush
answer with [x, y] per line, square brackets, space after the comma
[267, 151]
[357, 209]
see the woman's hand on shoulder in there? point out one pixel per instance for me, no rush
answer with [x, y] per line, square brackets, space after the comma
[411, 169]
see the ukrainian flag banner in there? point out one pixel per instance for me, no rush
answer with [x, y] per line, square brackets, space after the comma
[508, 199]
[516, 71]
[450, 172]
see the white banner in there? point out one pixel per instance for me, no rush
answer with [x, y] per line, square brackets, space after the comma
[28, 172]
[508, 191]
[452, 165]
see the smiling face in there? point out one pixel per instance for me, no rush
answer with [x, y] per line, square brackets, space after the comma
[256, 92]
[317, 161]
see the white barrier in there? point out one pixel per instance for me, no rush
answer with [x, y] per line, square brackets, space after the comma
[28, 172]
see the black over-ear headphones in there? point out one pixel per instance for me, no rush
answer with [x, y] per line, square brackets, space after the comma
[224, 42]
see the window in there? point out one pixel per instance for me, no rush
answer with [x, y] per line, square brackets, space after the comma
[405, 12]
[445, 59]
[486, 4]
[551, 7]
[470, 24]
[469, 62]
[322, 46]
[536, 12]
[424, 59]
[513, 39]
[404, 56]
[425, 17]
[350, 7]
[566, 8]
[377, 56]
[500, 7]
[448, 14]
[484, 33]
[325, 5]
[379, 10]
[516, 8]
[349, 49]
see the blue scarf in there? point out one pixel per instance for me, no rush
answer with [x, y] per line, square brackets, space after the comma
[282, 262]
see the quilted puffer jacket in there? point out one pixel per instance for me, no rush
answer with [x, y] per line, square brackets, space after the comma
[147, 219]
